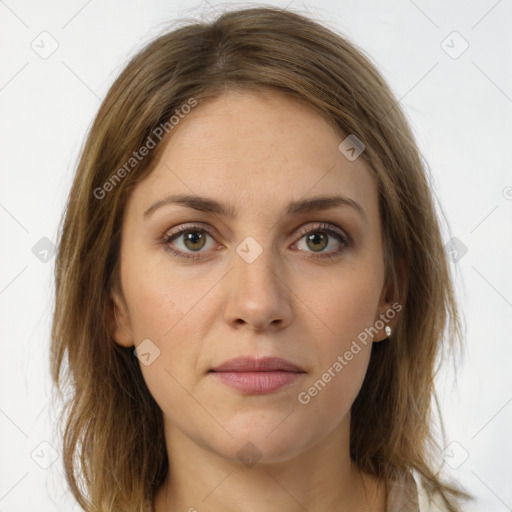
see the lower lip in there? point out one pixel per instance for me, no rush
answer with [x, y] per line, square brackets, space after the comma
[258, 383]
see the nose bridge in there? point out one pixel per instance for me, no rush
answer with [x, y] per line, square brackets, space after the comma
[256, 294]
[255, 262]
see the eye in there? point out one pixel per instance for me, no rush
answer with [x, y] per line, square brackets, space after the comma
[193, 239]
[317, 239]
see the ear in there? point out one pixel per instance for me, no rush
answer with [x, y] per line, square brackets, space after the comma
[119, 320]
[387, 312]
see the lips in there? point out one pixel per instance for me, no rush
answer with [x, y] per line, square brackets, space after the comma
[264, 364]
[257, 376]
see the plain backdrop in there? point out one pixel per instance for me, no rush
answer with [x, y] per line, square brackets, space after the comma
[447, 62]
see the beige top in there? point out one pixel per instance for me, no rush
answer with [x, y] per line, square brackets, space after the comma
[412, 497]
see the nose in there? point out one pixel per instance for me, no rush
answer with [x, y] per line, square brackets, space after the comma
[256, 294]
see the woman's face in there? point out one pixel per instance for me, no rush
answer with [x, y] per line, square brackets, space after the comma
[247, 280]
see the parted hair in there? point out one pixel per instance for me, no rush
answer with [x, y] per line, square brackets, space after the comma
[114, 451]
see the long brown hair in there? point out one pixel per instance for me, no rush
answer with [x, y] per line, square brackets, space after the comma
[113, 441]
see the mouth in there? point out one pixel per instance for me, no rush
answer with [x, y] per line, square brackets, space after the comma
[257, 376]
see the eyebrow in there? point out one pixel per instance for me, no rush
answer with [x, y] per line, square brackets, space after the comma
[205, 204]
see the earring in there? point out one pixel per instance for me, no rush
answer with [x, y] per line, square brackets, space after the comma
[387, 329]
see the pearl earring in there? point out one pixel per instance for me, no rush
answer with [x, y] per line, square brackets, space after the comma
[387, 329]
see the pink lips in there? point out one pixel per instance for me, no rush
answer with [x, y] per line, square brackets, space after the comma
[253, 376]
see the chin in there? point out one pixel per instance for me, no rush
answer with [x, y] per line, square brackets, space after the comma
[265, 439]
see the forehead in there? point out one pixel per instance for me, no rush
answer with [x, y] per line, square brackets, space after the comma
[255, 151]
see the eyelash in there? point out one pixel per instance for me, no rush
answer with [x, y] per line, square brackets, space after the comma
[323, 228]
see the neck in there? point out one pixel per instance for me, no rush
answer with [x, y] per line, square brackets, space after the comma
[318, 479]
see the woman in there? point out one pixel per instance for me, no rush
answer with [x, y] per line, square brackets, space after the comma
[250, 213]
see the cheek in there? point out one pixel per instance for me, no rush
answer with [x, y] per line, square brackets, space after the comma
[166, 309]
[159, 299]
[166, 316]
[346, 308]
[329, 395]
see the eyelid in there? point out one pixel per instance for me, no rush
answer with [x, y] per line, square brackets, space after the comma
[327, 227]
[169, 233]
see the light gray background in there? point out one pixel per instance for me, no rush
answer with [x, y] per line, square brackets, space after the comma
[460, 109]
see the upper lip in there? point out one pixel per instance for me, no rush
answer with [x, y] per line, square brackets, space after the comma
[255, 364]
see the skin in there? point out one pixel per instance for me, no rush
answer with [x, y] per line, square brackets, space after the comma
[256, 152]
